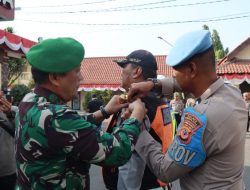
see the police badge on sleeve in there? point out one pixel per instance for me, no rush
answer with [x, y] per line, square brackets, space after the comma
[187, 147]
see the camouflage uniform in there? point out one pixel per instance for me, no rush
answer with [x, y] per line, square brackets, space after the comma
[55, 145]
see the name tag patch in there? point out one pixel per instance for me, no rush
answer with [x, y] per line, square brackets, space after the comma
[181, 154]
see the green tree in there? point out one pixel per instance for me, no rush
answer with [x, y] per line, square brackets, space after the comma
[15, 65]
[15, 69]
[226, 51]
[218, 47]
[9, 29]
[105, 96]
[205, 27]
[18, 92]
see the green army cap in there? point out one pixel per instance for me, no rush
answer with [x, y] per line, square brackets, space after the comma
[57, 55]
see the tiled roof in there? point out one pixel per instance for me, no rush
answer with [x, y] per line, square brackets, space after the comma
[231, 64]
[102, 70]
[235, 67]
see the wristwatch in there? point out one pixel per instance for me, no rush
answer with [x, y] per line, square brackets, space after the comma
[155, 82]
[105, 114]
[157, 87]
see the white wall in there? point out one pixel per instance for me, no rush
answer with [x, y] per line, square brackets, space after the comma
[244, 53]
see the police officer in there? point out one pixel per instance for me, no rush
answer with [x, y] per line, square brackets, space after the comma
[54, 144]
[177, 106]
[208, 149]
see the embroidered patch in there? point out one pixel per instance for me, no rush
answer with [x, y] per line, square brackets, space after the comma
[187, 148]
[188, 126]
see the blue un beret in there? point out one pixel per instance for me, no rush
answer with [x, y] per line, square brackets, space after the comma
[189, 45]
[57, 55]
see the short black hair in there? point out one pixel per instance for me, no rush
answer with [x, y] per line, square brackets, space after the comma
[40, 77]
[146, 73]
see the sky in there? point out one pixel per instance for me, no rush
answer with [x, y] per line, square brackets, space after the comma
[118, 27]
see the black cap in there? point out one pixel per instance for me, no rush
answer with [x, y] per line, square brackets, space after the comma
[142, 58]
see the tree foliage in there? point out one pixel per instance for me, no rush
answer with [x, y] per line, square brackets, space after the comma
[218, 47]
[205, 27]
[15, 69]
[9, 29]
[105, 96]
[15, 65]
[18, 92]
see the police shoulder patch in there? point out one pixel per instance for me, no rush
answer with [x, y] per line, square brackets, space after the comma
[190, 124]
[187, 147]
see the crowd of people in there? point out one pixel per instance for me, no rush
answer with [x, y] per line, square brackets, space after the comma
[148, 143]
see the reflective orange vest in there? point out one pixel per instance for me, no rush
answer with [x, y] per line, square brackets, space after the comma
[164, 125]
[162, 128]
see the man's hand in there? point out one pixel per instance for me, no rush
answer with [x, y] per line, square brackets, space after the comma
[114, 105]
[139, 90]
[5, 105]
[137, 110]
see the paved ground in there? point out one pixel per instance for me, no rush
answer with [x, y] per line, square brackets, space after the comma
[96, 182]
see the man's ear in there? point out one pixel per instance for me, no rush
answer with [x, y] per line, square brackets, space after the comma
[54, 79]
[136, 72]
[193, 69]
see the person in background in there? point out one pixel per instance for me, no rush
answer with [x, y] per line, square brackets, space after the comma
[54, 144]
[208, 150]
[7, 153]
[247, 102]
[190, 102]
[141, 65]
[94, 104]
[177, 106]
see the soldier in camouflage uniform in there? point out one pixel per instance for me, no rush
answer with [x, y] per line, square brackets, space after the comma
[54, 144]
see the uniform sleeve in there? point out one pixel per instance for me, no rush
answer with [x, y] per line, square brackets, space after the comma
[159, 163]
[75, 136]
[169, 85]
[7, 124]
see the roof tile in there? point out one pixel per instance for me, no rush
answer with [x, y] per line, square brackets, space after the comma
[235, 67]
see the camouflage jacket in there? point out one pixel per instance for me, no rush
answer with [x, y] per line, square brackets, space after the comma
[55, 145]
